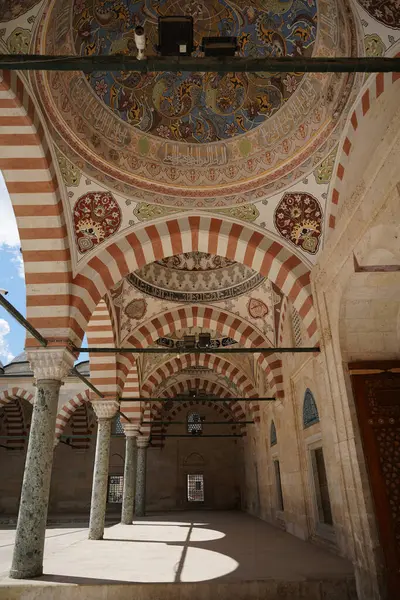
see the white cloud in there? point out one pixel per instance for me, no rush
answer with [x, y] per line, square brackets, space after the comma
[5, 354]
[8, 225]
[19, 263]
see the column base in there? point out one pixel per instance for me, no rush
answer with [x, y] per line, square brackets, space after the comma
[26, 573]
[95, 536]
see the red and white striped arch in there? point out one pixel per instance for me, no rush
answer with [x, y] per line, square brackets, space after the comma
[15, 422]
[103, 366]
[210, 317]
[224, 237]
[377, 86]
[132, 408]
[68, 409]
[211, 361]
[28, 169]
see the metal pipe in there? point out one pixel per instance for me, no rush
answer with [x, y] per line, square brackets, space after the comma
[118, 62]
[197, 399]
[202, 423]
[74, 371]
[230, 350]
[125, 416]
[21, 320]
[195, 437]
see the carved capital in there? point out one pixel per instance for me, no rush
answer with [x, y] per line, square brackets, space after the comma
[142, 441]
[131, 429]
[50, 363]
[105, 409]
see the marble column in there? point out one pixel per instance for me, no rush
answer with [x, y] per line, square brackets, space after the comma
[49, 366]
[128, 498]
[105, 411]
[140, 492]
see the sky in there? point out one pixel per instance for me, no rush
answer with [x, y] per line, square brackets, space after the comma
[12, 335]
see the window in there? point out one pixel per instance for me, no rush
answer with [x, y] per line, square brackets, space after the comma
[195, 488]
[296, 327]
[117, 426]
[310, 411]
[194, 424]
[115, 488]
[278, 484]
[272, 435]
[321, 487]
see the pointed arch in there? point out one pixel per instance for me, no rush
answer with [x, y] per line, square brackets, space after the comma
[14, 415]
[310, 410]
[377, 86]
[210, 317]
[31, 178]
[204, 233]
[131, 389]
[68, 409]
[103, 366]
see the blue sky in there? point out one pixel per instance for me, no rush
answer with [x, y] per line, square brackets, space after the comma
[12, 335]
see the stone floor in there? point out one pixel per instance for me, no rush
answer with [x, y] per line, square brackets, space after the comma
[213, 547]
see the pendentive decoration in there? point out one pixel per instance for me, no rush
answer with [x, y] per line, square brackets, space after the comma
[298, 218]
[384, 11]
[136, 309]
[310, 411]
[97, 216]
[256, 308]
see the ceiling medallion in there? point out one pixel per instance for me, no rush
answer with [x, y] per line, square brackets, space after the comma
[195, 277]
[257, 309]
[136, 309]
[189, 139]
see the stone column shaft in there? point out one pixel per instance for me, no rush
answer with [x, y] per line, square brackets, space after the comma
[49, 366]
[105, 411]
[128, 497]
[140, 492]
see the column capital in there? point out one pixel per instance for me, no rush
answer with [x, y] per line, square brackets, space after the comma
[105, 409]
[131, 429]
[142, 442]
[50, 363]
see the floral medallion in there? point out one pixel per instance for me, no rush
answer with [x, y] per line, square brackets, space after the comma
[136, 309]
[383, 11]
[97, 216]
[257, 309]
[298, 218]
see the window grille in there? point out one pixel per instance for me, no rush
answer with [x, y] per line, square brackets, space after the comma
[321, 487]
[115, 489]
[194, 424]
[310, 411]
[278, 483]
[273, 438]
[195, 488]
[118, 429]
[296, 326]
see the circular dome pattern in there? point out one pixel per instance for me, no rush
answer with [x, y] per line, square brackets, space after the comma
[195, 277]
[197, 140]
[195, 107]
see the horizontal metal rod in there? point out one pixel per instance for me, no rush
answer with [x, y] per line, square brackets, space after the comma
[230, 350]
[21, 320]
[74, 371]
[118, 62]
[197, 399]
[195, 437]
[202, 423]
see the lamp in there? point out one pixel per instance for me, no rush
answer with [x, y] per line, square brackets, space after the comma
[140, 41]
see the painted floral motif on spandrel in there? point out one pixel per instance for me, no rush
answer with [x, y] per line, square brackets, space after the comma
[97, 216]
[384, 11]
[298, 218]
[12, 9]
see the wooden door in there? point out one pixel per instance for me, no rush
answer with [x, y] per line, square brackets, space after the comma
[376, 389]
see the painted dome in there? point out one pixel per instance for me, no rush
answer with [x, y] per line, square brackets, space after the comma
[196, 139]
[195, 277]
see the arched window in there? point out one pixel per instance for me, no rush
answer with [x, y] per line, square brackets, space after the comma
[310, 411]
[194, 424]
[117, 426]
[272, 435]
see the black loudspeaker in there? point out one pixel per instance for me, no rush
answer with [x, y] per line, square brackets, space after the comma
[219, 46]
[204, 340]
[189, 342]
[175, 36]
